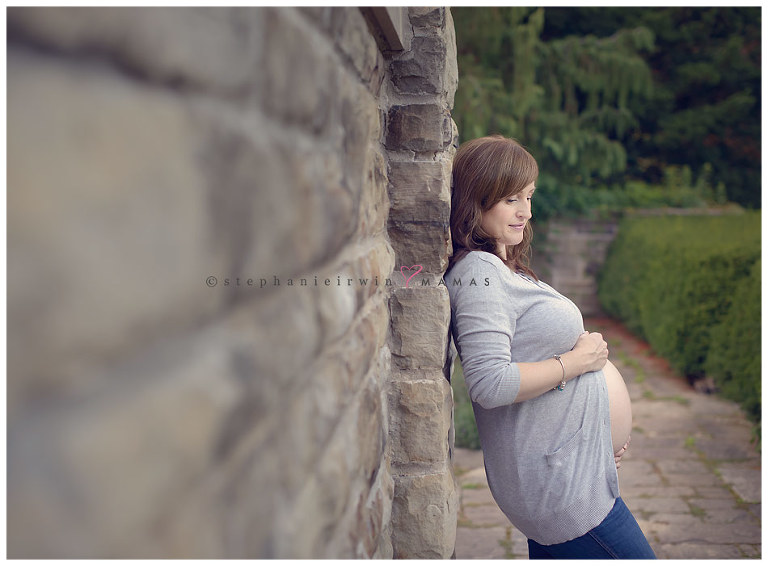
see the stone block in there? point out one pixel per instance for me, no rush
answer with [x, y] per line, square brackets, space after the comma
[429, 67]
[319, 16]
[374, 201]
[451, 73]
[354, 41]
[386, 487]
[420, 417]
[335, 386]
[301, 528]
[371, 516]
[302, 71]
[419, 221]
[424, 515]
[209, 49]
[302, 215]
[659, 505]
[744, 479]
[96, 478]
[361, 130]
[420, 320]
[321, 488]
[677, 529]
[681, 466]
[482, 544]
[363, 531]
[484, 516]
[420, 70]
[229, 513]
[286, 337]
[427, 16]
[472, 496]
[369, 430]
[420, 244]
[418, 127]
[336, 304]
[143, 198]
[420, 192]
[372, 269]
[698, 550]
[118, 218]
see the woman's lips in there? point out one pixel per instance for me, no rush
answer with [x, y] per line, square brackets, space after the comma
[517, 226]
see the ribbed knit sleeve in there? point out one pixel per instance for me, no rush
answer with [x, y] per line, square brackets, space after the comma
[483, 330]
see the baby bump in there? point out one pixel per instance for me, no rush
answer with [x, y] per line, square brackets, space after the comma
[620, 406]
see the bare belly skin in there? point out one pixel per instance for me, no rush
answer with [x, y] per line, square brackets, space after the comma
[621, 406]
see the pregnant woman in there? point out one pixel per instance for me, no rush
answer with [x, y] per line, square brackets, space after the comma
[553, 414]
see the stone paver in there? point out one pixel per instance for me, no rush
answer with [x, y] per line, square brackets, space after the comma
[692, 476]
[481, 543]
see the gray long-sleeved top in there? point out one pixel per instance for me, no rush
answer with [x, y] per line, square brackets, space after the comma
[549, 460]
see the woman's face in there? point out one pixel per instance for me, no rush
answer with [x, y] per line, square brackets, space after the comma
[506, 219]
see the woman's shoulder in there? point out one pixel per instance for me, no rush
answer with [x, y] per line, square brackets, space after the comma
[478, 270]
[478, 258]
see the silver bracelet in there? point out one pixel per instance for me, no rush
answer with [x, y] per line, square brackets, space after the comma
[562, 383]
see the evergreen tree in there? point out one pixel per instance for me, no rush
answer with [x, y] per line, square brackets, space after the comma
[705, 109]
[568, 100]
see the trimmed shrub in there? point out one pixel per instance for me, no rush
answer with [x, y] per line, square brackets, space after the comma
[733, 360]
[674, 281]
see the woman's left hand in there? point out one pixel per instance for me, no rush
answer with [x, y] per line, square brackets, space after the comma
[620, 453]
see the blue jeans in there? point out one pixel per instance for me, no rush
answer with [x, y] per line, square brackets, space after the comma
[618, 536]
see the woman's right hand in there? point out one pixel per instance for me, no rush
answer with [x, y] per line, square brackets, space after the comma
[590, 352]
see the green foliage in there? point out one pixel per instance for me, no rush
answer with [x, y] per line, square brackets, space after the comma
[463, 416]
[705, 104]
[676, 191]
[676, 281]
[494, 94]
[567, 100]
[734, 356]
[605, 97]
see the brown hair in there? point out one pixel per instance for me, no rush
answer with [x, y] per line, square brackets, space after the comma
[485, 171]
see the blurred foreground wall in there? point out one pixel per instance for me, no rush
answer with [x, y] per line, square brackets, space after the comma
[195, 366]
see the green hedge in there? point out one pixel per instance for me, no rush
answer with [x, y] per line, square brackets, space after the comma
[691, 287]
[734, 357]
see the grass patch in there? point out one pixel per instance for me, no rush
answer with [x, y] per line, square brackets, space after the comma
[680, 400]
[697, 511]
[632, 363]
[506, 544]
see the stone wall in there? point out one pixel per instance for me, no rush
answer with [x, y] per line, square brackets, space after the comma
[568, 254]
[421, 140]
[195, 366]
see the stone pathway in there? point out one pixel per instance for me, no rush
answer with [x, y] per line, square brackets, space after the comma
[691, 476]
